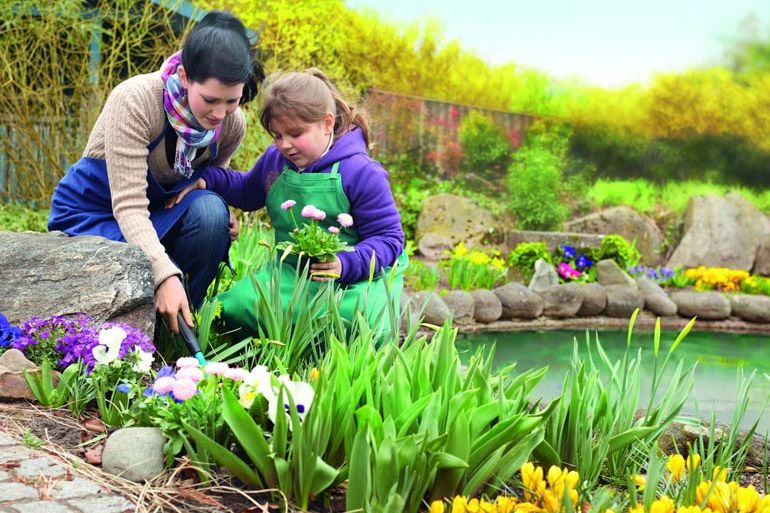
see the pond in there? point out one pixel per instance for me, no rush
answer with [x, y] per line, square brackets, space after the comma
[718, 357]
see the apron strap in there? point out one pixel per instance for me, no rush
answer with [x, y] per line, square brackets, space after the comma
[334, 168]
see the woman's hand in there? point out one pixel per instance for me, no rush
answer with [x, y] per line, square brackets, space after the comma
[326, 271]
[233, 227]
[200, 183]
[170, 298]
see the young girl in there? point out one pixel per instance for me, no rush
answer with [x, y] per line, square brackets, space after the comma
[319, 157]
[155, 136]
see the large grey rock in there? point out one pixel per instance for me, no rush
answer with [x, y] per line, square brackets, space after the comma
[762, 260]
[608, 272]
[434, 310]
[720, 232]
[627, 222]
[433, 246]
[562, 300]
[544, 277]
[455, 217]
[519, 302]
[461, 304]
[44, 274]
[704, 305]
[750, 308]
[655, 298]
[134, 453]
[487, 306]
[594, 299]
[622, 301]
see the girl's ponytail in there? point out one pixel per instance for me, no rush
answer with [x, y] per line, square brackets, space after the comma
[347, 115]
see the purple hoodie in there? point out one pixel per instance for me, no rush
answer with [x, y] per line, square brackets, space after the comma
[364, 181]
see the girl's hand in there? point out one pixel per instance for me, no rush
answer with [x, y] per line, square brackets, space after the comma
[200, 183]
[326, 271]
[233, 227]
[170, 298]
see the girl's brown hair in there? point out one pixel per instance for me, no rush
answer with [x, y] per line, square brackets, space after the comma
[308, 96]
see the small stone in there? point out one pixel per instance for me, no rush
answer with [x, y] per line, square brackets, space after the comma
[751, 308]
[461, 304]
[433, 308]
[608, 272]
[655, 298]
[519, 302]
[134, 453]
[13, 364]
[562, 301]
[594, 299]
[487, 306]
[622, 301]
[544, 278]
[704, 305]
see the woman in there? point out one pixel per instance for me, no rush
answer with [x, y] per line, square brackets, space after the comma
[156, 135]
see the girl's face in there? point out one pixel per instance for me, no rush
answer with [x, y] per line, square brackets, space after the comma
[211, 100]
[300, 142]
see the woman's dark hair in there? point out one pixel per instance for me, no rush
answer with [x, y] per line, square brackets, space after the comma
[219, 47]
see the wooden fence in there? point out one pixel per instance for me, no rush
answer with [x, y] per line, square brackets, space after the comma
[428, 130]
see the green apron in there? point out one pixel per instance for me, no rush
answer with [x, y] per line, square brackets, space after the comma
[324, 190]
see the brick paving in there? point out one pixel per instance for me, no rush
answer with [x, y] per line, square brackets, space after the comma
[34, 482]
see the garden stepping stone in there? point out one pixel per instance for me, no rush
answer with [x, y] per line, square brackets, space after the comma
[519, 302]
[12, 382]
[750, 308]
[594, 299]
[561, 301]
[434, 310]
[622, 301]
[655, 298]
[461, 304]
[45, 274]
[545, 276]
[134, 453]
[705, 305]
[487, 307]
[608, 272]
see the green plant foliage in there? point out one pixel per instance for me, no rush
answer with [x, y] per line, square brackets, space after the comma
[473, 269]
[525, 254]
[535, 183]
[486, 148]
[19, 218]
[617, 248]
[421, 276]
[596, 427]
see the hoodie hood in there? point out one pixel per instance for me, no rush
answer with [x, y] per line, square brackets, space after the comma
[348, 144]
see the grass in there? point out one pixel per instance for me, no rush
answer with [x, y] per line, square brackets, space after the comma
[646, 196]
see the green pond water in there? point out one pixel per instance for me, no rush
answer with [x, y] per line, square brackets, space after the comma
[718, 357]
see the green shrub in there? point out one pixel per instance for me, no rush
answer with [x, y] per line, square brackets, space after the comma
[18, 218]
[525, 254]
[617, 248]
[534, 185]
[486, 149]
[420, 276]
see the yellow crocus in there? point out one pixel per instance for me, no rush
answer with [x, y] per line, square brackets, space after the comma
[527, 507]
[505, 504]
[693, 462]
[638, 508]
[460, 250]
[551, 502]
[746, 499]
[437, 507]
[487, 507]
[314, 374]
[689, 509]
[459, 504]
[675, 466]
[720, 474]
[640, 481]
[473, 506]
[663, 505]
[532, 478]
[718, 499]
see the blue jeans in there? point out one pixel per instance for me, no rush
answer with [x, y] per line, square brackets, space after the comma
[198, 242]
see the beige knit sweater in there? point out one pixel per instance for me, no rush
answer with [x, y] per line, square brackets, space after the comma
[131, 119]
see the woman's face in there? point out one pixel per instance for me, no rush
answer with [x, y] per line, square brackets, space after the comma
[211, 100]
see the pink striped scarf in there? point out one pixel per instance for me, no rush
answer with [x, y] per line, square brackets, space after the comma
[191, 135]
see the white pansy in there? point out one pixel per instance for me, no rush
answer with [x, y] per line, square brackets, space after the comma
[257, 382]
[108, 348]
[301, 393]
[144, 360]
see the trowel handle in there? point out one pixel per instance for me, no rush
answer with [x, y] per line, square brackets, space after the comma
[190, 339]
